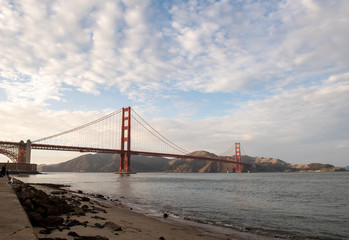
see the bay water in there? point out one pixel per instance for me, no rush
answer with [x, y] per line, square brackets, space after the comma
[287, 205]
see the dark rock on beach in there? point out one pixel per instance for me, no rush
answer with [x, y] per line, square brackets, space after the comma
[90, 238]
[73, 234]
[43, 210]
[57, 211]
[73, 222]
[58, 192]
[52, 239]
[98, 225]
[54, 185]
[97, 209]
[45, 231]
[98, 217]
[52, 221]
[101, 197]
[112, 226]
[85, 199]
[84, 208]
[35, 218]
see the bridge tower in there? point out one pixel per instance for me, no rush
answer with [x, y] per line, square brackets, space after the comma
[28, 151]
[238, 157]
[125, 156]
[22, 152]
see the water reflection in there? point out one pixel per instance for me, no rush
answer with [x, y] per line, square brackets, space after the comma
[123, 187]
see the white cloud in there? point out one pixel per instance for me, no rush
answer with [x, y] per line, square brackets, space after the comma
[22, 121]
[97, 43]
[306, 124]
[211, 47]
[221, 46]
[303, 38]
[302, 125]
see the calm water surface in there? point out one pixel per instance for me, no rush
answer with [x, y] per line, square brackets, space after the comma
[290, 205]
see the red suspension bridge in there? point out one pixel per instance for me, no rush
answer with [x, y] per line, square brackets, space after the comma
[113, 134]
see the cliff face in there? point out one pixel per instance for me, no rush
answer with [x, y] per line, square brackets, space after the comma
[110, 163]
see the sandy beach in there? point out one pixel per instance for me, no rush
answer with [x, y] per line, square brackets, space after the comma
[93, 217]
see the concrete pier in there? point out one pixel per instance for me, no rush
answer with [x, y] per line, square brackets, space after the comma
[14, 222]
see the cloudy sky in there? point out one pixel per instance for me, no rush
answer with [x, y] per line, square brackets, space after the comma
[273, 75]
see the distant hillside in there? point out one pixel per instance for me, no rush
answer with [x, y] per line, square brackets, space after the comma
[110, 163]
[102, 162]
[255, 164]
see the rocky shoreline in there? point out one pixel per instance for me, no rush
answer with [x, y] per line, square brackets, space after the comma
[55, 211]
[60, 214]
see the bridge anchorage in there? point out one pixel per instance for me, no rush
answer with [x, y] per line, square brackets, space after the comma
[112, 134]
[19, 153]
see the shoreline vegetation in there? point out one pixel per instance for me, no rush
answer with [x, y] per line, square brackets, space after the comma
[58, 213]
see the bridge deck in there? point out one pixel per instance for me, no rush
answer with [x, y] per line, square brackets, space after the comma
[14, 222]
[116, 151]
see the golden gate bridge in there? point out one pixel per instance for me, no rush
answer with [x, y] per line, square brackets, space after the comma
[122, 132]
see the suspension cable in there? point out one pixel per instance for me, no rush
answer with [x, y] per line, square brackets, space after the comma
[80, 127]
[230, 149]
[159, 135]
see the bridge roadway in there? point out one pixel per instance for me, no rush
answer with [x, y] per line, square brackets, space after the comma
[116, 151]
